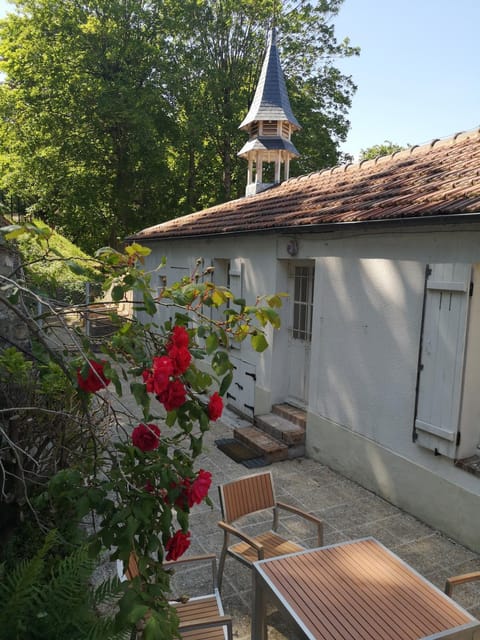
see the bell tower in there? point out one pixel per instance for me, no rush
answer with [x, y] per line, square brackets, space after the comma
[270, 123]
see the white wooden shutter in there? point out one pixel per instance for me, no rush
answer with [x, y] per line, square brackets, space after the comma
[442, 357]
[235, 284]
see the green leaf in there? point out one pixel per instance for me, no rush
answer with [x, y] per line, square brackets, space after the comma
[221, 363]
[150, 306]
[226, 382]
[13, 231]
[117, 293]
[171, 418]
[140, 394]
[275, 301]
[259, 342]
[154, 631]
[137, 249]
[211, 343]
[77, 268]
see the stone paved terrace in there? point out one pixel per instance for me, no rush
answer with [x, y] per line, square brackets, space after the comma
[348, 511]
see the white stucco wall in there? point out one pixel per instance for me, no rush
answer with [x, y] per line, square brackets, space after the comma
[366, 335]
[369, 289]
[365, 346]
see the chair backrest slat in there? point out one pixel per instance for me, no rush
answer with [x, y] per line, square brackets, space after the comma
[132, 569]
[246, 495]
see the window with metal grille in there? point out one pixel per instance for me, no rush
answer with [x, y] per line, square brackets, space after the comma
[303, 303]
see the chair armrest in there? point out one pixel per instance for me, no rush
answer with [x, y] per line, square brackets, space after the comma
[172, 564]
[307, 516]
[207, 623]
[228, 528]
[461, 579]
[191, 559]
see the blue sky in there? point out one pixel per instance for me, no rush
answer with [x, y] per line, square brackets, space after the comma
[417, 73]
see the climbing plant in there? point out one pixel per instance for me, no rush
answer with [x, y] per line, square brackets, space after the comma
[133, 481]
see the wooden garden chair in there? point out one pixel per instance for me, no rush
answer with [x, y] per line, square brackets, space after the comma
[246, 496]
[200, 617]
[461, 579]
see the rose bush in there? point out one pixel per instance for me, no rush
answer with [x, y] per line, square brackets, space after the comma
[139, 487]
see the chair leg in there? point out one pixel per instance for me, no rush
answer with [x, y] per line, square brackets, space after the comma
[221, 564]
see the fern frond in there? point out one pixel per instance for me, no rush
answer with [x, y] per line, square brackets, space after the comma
[20, 589]
[69, 585]
[107, 592]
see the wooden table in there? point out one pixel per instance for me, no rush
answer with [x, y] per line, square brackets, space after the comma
[357, 591]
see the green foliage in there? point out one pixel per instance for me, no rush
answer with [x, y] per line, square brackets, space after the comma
[377, 150]
[111, 464]
[119, 115]
[43, 428]
[53, 264]
[39, 604]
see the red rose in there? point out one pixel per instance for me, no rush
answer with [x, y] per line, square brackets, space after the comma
[177, 545]
[95, 379]
[181, 359]
[199, 487]
[158, 377]
[182, 501]
[146, 437]
[149, 487]
[173, 396]
[180, 337]
[215, 407]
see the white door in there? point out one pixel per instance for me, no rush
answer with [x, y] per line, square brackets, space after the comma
[440, 379]
[300, 331]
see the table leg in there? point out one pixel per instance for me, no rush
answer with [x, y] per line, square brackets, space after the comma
[259, 622]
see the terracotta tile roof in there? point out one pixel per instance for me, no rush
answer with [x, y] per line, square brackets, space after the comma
[438, 179]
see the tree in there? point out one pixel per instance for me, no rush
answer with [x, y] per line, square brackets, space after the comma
[117, 114]
[384, 149]
[85, 118]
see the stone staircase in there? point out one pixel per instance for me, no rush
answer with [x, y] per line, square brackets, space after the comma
[279, 435]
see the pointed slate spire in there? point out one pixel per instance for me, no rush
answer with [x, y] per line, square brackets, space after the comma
[270, 123]
[271, 100]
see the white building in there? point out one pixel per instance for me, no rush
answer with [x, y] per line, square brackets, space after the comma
[380, 336]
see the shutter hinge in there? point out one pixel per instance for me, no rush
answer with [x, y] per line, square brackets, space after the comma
[470, 293]
[252, 375]
[458, 438]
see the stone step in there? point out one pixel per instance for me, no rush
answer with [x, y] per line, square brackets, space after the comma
[281, 429]
[272, 450]
[291, 413]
